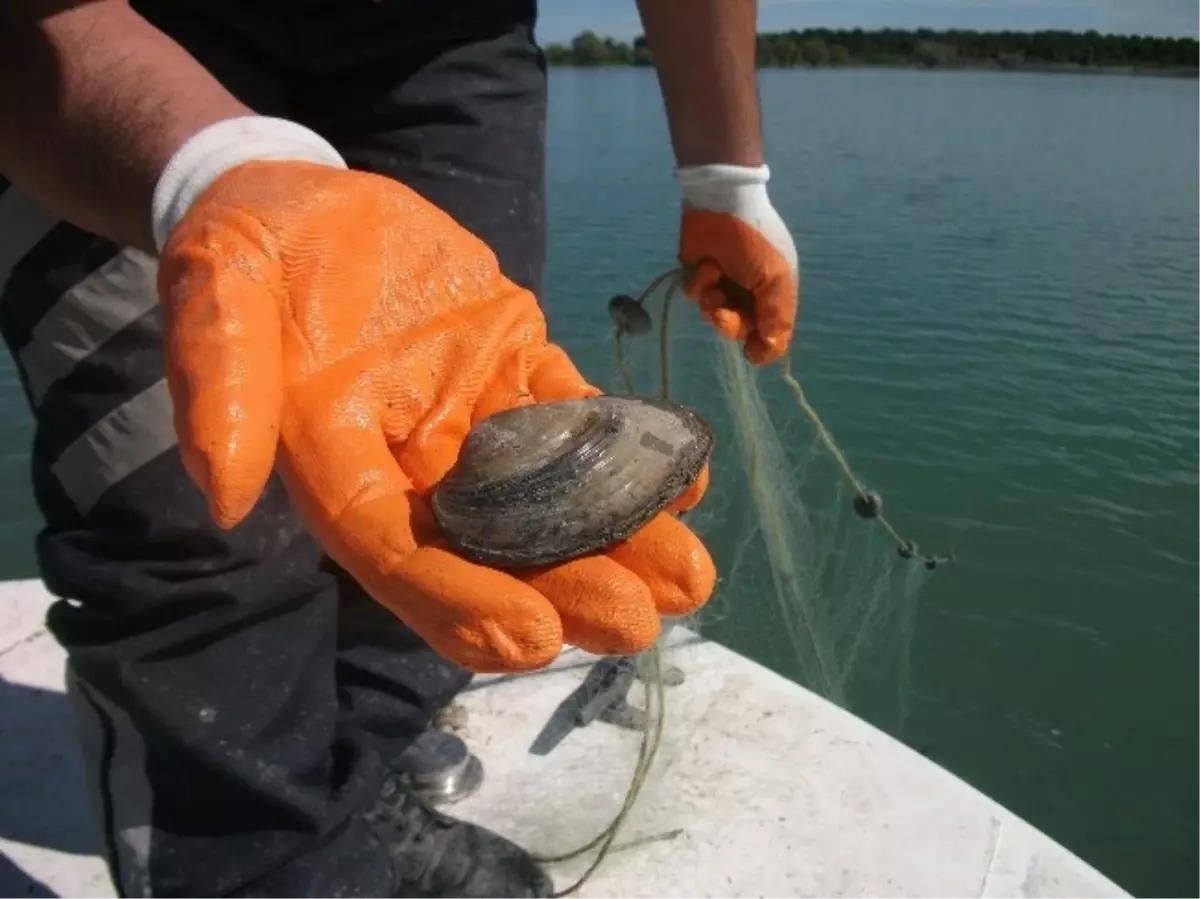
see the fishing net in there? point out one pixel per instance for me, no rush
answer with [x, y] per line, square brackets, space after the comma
[807, 549]
[804, 546]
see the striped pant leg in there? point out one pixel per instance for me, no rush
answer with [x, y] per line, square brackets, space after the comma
[202, 662]
[226, 684]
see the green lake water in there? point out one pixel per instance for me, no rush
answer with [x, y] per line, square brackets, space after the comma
[1000, 326]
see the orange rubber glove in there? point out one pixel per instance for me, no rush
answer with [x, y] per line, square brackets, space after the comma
[731, 231]
[337, 326]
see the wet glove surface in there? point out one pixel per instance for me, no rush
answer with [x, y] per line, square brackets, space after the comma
[336, 326]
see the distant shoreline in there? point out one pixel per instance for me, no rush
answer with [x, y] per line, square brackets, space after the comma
[1054, 52]
[1045, 69]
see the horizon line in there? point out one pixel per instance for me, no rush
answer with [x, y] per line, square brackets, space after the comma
[1195, 38]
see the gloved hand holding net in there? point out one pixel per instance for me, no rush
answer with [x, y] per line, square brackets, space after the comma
[731, 236]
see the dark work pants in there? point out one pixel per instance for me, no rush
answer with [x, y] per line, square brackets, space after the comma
[237, 695]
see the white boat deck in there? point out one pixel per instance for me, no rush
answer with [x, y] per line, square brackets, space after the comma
[772, 790]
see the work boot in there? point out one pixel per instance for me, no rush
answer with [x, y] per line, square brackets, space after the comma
[436, 855]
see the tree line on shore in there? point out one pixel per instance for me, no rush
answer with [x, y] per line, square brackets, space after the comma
[924, 47]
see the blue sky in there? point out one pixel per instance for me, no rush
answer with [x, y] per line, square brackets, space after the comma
[559, 20]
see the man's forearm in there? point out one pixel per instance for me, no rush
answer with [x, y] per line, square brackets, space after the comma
[93, 102]
[704, 53]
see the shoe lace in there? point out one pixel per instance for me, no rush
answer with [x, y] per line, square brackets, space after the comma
[406, 811]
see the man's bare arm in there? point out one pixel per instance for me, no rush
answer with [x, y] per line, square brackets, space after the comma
[94, 100]
[704, 53]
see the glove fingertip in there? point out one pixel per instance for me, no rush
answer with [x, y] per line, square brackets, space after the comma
[674, 563]
[484, 619]
[231, 485]
[605, 609]
[691, 497]
[228, 514]
[234, 499]
[775, 317]
[730, 323]
[760, 350]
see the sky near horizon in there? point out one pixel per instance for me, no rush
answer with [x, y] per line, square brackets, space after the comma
[560, 20]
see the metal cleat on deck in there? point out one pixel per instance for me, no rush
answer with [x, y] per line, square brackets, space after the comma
[603, 696]
[440, 768]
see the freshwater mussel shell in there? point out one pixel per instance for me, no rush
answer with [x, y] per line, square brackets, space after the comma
[548, 482]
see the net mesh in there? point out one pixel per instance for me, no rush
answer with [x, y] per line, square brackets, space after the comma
[804, 548]
[816, 582]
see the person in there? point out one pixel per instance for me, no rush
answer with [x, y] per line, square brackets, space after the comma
[263, 264]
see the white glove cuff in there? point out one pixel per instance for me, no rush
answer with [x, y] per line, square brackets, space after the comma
[214, 150]
[731, 189]
[740, 191]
